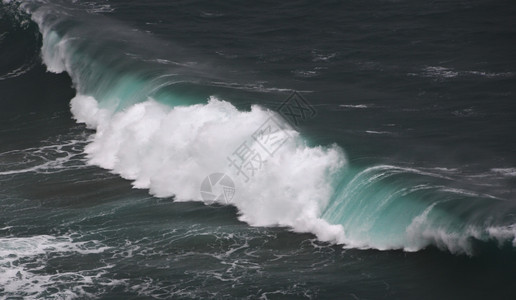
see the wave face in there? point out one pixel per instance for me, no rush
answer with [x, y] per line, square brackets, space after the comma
[167, 141]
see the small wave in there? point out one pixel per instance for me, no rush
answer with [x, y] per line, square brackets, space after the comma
[490, 74]
[96, 7]
[324, 57]
[465, 192]
[165, 61]
[226, 55]
[464, 113]
[258, 86]
[509, 172]
[207, 14]
[440, 72]
[379, 132]
[359, 106]
[19, 71]
[306, 73]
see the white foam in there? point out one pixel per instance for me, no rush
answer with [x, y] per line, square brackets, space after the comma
[503, 233]
[422, 233]
[22, 260]
[54, 158]
[171, 150]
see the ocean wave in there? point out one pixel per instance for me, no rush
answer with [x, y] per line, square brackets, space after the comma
[509, 172]
[443, 73]
[170, 145]
[359, 106]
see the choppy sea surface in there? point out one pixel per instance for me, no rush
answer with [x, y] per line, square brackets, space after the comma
[264, 150]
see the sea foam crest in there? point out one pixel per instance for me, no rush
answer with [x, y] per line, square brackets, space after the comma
[171, 150]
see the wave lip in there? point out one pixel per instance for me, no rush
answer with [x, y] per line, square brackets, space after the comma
[390, 207]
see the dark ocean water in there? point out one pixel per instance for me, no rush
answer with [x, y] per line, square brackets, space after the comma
[393, 178]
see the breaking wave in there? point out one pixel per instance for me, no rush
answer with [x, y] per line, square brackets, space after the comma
[148, 130]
